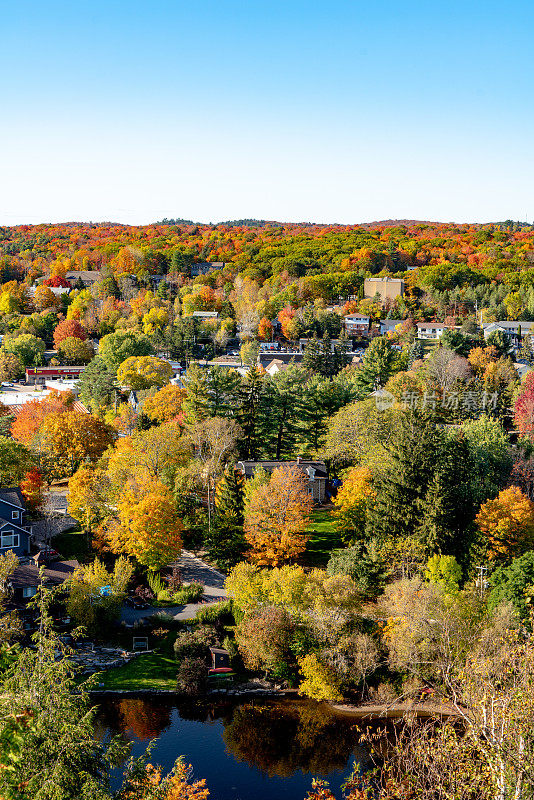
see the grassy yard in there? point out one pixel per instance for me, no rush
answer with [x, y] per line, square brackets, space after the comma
[324, 537]
[155, 670]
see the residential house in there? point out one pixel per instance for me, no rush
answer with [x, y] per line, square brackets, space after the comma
[356, 324]
[431, 330]
[86, 276]
[275, 366]
[388, 325]
[26, 579]
[203, 267]
[201, 315]
[15, 534]
[513, 328]
[522, 369]
[315, 472]
[387, 288]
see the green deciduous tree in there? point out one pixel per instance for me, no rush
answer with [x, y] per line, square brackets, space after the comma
[27, 348]
[117, 347]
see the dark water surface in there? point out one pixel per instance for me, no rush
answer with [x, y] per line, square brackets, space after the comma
[254, 750]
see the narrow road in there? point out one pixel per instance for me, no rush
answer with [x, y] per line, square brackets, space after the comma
[192, 569]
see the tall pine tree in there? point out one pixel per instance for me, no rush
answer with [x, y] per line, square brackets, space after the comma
[250, 398]
[226, 543]
[404, 482]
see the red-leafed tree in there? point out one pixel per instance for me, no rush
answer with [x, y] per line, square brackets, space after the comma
[32, 489]
[57, 281]
[69, 327]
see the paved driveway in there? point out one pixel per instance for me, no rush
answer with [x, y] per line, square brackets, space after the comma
[192, 569]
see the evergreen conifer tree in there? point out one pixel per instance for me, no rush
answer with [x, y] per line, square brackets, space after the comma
[415, 353]
[226, 543]
[313, 355]
[403, 483]
[250, 398]
[378, 365]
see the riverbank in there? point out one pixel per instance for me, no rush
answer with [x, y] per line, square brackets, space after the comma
[395, 710]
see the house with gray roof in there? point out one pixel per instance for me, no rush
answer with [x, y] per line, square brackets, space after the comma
[315, 472]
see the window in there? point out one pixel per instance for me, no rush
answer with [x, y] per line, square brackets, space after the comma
[9, 539]
[29, 591]
[14, 515]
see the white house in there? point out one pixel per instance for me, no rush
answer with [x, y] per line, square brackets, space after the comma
[356, 324]
[205, 314]
[275, 366]
[431, 330]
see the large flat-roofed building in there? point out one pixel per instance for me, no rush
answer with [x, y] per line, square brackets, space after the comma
[387, 288]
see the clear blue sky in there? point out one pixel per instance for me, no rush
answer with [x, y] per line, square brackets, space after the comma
[210, 110]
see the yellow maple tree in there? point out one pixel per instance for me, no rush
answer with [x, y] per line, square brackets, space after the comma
[277, 515]
[481, 357]
[87, 496]
[165, 405]
[352, 500]
[145, 456]
[142, 372]
[507, 522]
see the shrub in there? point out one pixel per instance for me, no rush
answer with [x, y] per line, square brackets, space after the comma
[165, 620]
[174, 580]
[195, 644]
[192, 677]
[216, 612]
[188, 594]
[155, 582]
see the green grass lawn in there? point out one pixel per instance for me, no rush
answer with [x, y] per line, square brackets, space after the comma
[324, 537]
[155, 670]
[72, 544]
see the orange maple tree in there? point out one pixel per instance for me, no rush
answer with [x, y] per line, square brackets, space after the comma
[68, 438]
[148, 527]
[276, 516]
[68, 328]
[32, 489]
[507, 522]
[265, 329]
[28, 421]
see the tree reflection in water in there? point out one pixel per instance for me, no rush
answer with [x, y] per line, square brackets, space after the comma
[133, 717]
[280, 739]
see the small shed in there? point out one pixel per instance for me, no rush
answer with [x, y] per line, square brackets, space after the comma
[220, 659]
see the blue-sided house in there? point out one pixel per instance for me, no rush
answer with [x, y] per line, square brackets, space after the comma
[14, 533]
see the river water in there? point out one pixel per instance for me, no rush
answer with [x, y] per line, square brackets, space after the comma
[253, 750]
